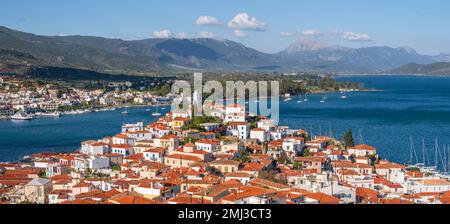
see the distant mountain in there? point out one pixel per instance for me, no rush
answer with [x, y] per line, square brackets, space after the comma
[115, 55]
[308, 51]
[54, 51]
[316, 55]
[439, 68]
[21, 51]
[441, 58]
[379, 59]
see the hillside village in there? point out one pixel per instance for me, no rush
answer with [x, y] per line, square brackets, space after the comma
[227, 157]
[35, 98]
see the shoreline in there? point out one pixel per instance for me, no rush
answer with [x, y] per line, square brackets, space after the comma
[85, 111]
[384, 74]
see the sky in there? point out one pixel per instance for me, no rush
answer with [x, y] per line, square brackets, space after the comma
[268, 26]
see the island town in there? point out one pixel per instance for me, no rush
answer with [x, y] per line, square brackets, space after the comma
[228, 156]
[27, 99]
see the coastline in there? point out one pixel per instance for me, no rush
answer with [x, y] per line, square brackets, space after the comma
[84, 111]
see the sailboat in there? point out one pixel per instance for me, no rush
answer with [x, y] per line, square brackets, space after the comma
[323, 99]
[156, 114]
[305, 99]
[125, 111]
[343, 95]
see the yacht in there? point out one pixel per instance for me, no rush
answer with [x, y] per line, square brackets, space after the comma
[51, 114]
[125, 111]
[305, 99]
[156, 114]
[21, 116]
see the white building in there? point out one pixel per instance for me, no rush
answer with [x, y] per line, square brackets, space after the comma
[345, 194]
[207, 145]
[239, 129]
[139, 126]
[94, 148]
[234, 113]
[260, 134]
[155, 155]
[124, 149]
[122, 139]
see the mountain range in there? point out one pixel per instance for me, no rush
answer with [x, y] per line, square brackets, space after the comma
[20, 51]
[438, 68]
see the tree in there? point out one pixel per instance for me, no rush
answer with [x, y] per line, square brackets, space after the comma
[244, 156]
[307, 153]
[348, 139]
[42, 174]
[298, 165]
[116, 168]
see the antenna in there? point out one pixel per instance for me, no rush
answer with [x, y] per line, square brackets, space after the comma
[445, 159]
[331, 131]
[423, 152]
[413, 148]
[361, 138]
[410, 150]
[448, 157]
[436, 146]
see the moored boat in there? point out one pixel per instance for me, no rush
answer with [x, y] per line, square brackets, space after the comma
[21, 116]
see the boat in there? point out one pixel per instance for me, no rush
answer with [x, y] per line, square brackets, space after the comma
[156, 114]
[148, 110]
[305, 99]
[323, 99]
[51, 114]
[287, 99]
[343, 96]
[125, 111]
[21, 116]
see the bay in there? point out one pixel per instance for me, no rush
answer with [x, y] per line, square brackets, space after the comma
[404, 107]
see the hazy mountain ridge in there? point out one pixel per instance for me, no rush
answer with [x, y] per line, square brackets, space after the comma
[338, 58]
[439, 68]
[153, 55]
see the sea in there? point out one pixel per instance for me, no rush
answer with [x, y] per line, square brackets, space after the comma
[407, 118]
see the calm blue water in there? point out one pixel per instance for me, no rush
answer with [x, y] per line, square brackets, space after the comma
[20, 138]
[406, 106]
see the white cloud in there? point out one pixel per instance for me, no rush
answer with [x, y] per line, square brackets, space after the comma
[206, 34]
[310, 32]
[182, 35]
[207, 20]
[286, 34]
[239, 33]
[356, 36]
[243, 21]
[162, 33]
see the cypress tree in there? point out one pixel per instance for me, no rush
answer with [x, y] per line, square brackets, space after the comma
[348, 139]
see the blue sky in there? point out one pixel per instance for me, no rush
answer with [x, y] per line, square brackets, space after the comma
[265, 25]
